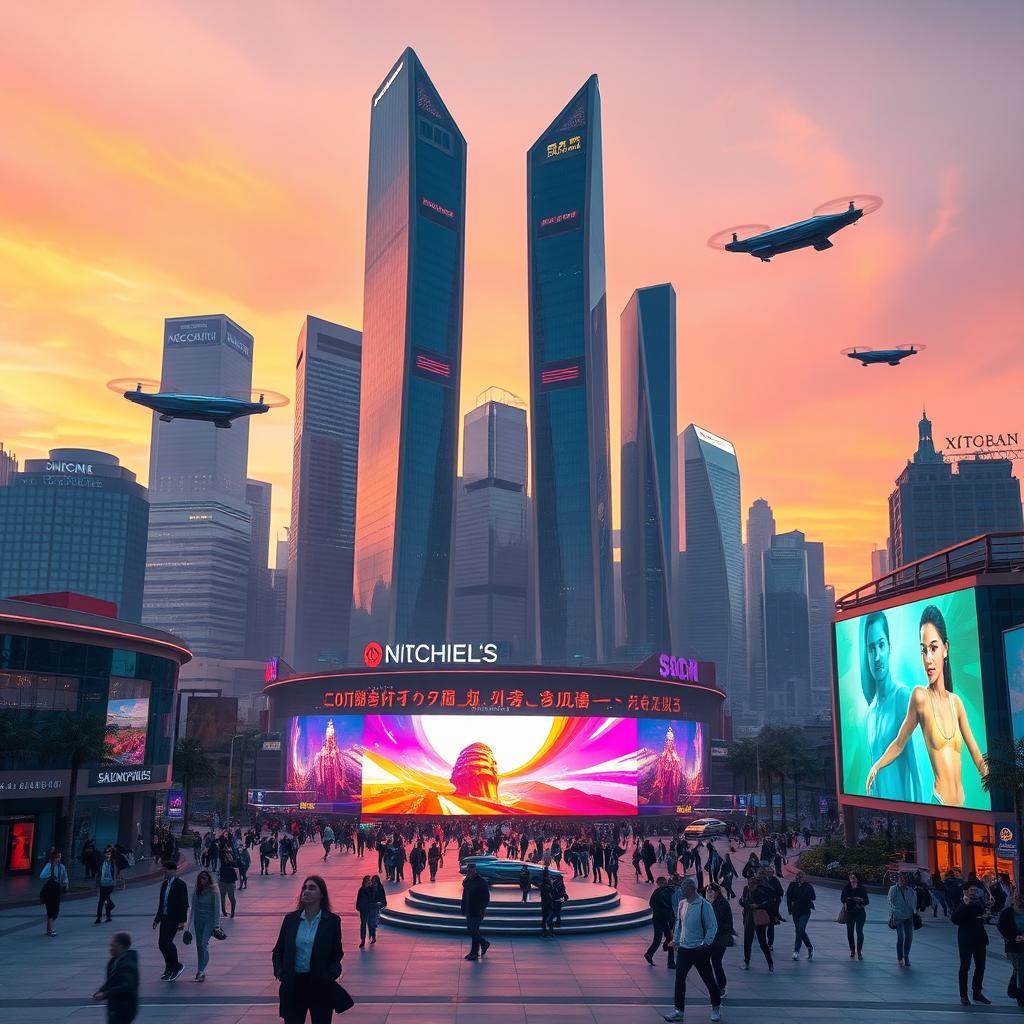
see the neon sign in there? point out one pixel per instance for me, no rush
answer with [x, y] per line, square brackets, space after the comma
[684, 669]
[563, 147]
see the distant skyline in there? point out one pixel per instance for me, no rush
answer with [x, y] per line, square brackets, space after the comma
[180, 160]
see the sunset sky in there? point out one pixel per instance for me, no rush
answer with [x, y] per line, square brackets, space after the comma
[170, 159]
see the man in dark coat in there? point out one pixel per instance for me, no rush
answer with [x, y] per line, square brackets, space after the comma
[475, 897]
[663, 920]
[171, 915]
[121, 989]
[971, 939]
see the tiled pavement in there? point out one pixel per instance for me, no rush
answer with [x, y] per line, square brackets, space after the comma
[409, 978]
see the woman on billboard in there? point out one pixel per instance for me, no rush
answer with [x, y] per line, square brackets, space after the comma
[941, 715]
[887, 708]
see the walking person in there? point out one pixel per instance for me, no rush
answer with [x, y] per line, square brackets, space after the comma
[547, 905]
[307, 958]
[598, 860]
[120, 990]
[417, 862]
[800, 899]
[971, 938]
[938, 888]
[475, 897]
[695, 929]
[902, 910]
[756, 901]
[328, 840]
[433, 859]
[726, 935]
[727, 873]
[284, 846]
[268, 849]
[203, 919]
[293, 854]
[649, 858]
[370, 901]
[106, 880]
[171, 915]
[559, 898]
[854, 898]
[524, 882]
[228, 877]
[662, 921]
[55, 884]
[612, 853]
[1011, 927]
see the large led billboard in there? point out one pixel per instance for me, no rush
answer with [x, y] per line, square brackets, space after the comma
[547, 765]
[127, 722]
[910, 704]
[1013, 649]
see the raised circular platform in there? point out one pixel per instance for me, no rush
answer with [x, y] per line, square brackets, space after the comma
[434, 907]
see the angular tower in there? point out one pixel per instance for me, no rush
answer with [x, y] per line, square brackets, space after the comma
[412, 342]
[569, 385]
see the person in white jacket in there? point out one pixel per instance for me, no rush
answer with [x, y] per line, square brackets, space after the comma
[902, 908]
[695, 930]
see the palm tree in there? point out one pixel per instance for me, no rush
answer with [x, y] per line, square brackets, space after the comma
[81, 740]
[191, 765]
[1005, 764]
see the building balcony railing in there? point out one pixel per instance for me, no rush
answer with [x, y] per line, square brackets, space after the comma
[987, 554]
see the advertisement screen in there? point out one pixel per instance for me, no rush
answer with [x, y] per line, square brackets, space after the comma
[472, 764]
[670, 765]
[325, 758]
[128, 722]
[911, 712]
[1013, 648]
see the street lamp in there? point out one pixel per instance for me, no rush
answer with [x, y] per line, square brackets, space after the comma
[231, 763]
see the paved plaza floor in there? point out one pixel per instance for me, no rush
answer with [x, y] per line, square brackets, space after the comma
[411, 978]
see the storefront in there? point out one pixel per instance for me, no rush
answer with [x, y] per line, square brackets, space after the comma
[56, 662]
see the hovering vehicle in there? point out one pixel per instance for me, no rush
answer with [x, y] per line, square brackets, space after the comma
[499, 871]
[892, 356]
[764, 242]
[220, 410]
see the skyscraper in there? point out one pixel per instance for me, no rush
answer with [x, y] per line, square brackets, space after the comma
[325, 457]
[412, 345]
[259, 610]
[75, 521]
[279, 583]
[569, 385]
[879, 562]
[933, 508]
[650, 469]
[821, 607]
[197, 562]
[8, 466]
[760, 531]
[787, 630]
[491, 573]
[715, 608]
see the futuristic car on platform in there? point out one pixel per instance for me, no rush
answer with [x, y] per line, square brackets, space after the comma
[705, 828]
[763, 242]
[499, 871]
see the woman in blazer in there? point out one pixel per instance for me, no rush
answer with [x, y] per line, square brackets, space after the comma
[55, 884]
[307, 957]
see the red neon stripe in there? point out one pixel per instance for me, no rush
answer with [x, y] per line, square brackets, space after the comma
[433, 366]
[554, 376]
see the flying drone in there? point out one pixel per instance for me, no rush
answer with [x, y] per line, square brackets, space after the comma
[220, 410]
[892, 356]
[763, 242]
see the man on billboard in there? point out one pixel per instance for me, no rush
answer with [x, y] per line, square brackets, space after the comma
[941, 715]
[887, 707]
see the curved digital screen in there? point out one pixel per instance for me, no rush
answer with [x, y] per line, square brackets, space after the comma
[910, 703]
[496, 765]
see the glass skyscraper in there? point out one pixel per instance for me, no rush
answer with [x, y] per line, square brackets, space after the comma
[259, 613]
[491, 571]
[75, 522]
[760, 530]
[324, 462]
[569, 385]
[412, 344]
[198, 558]
[714, 603]
[787, 631]
[650, 470]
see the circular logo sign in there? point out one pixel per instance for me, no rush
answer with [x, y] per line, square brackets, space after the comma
[1006, 835]
[373, 654]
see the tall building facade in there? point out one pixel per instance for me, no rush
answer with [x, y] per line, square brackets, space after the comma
[821, 607]
[325, 458]
[198, 557]
[760, 531]
[76, 521]
[933, 508]
[412, 346]
[879, 562]
[569, 385]
[279, 584]
[715, 608]
[8, 466]
[491, 572]
[259, 610]
[787, 630]
[650, 468]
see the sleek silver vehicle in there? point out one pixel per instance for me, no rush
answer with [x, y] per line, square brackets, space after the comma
[705, 828]
[499, 871]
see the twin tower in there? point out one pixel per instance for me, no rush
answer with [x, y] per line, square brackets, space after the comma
[411, 363]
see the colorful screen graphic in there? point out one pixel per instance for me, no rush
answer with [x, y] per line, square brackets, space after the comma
[325, 758]
[670, 764]
[128, 718]
[911, 710]
[1013, 648]
[472, 764]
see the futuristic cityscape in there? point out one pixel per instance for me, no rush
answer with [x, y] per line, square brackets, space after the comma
[339, 530]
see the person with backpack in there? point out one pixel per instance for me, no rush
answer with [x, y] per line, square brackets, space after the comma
[696, 927]
[800, 899]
